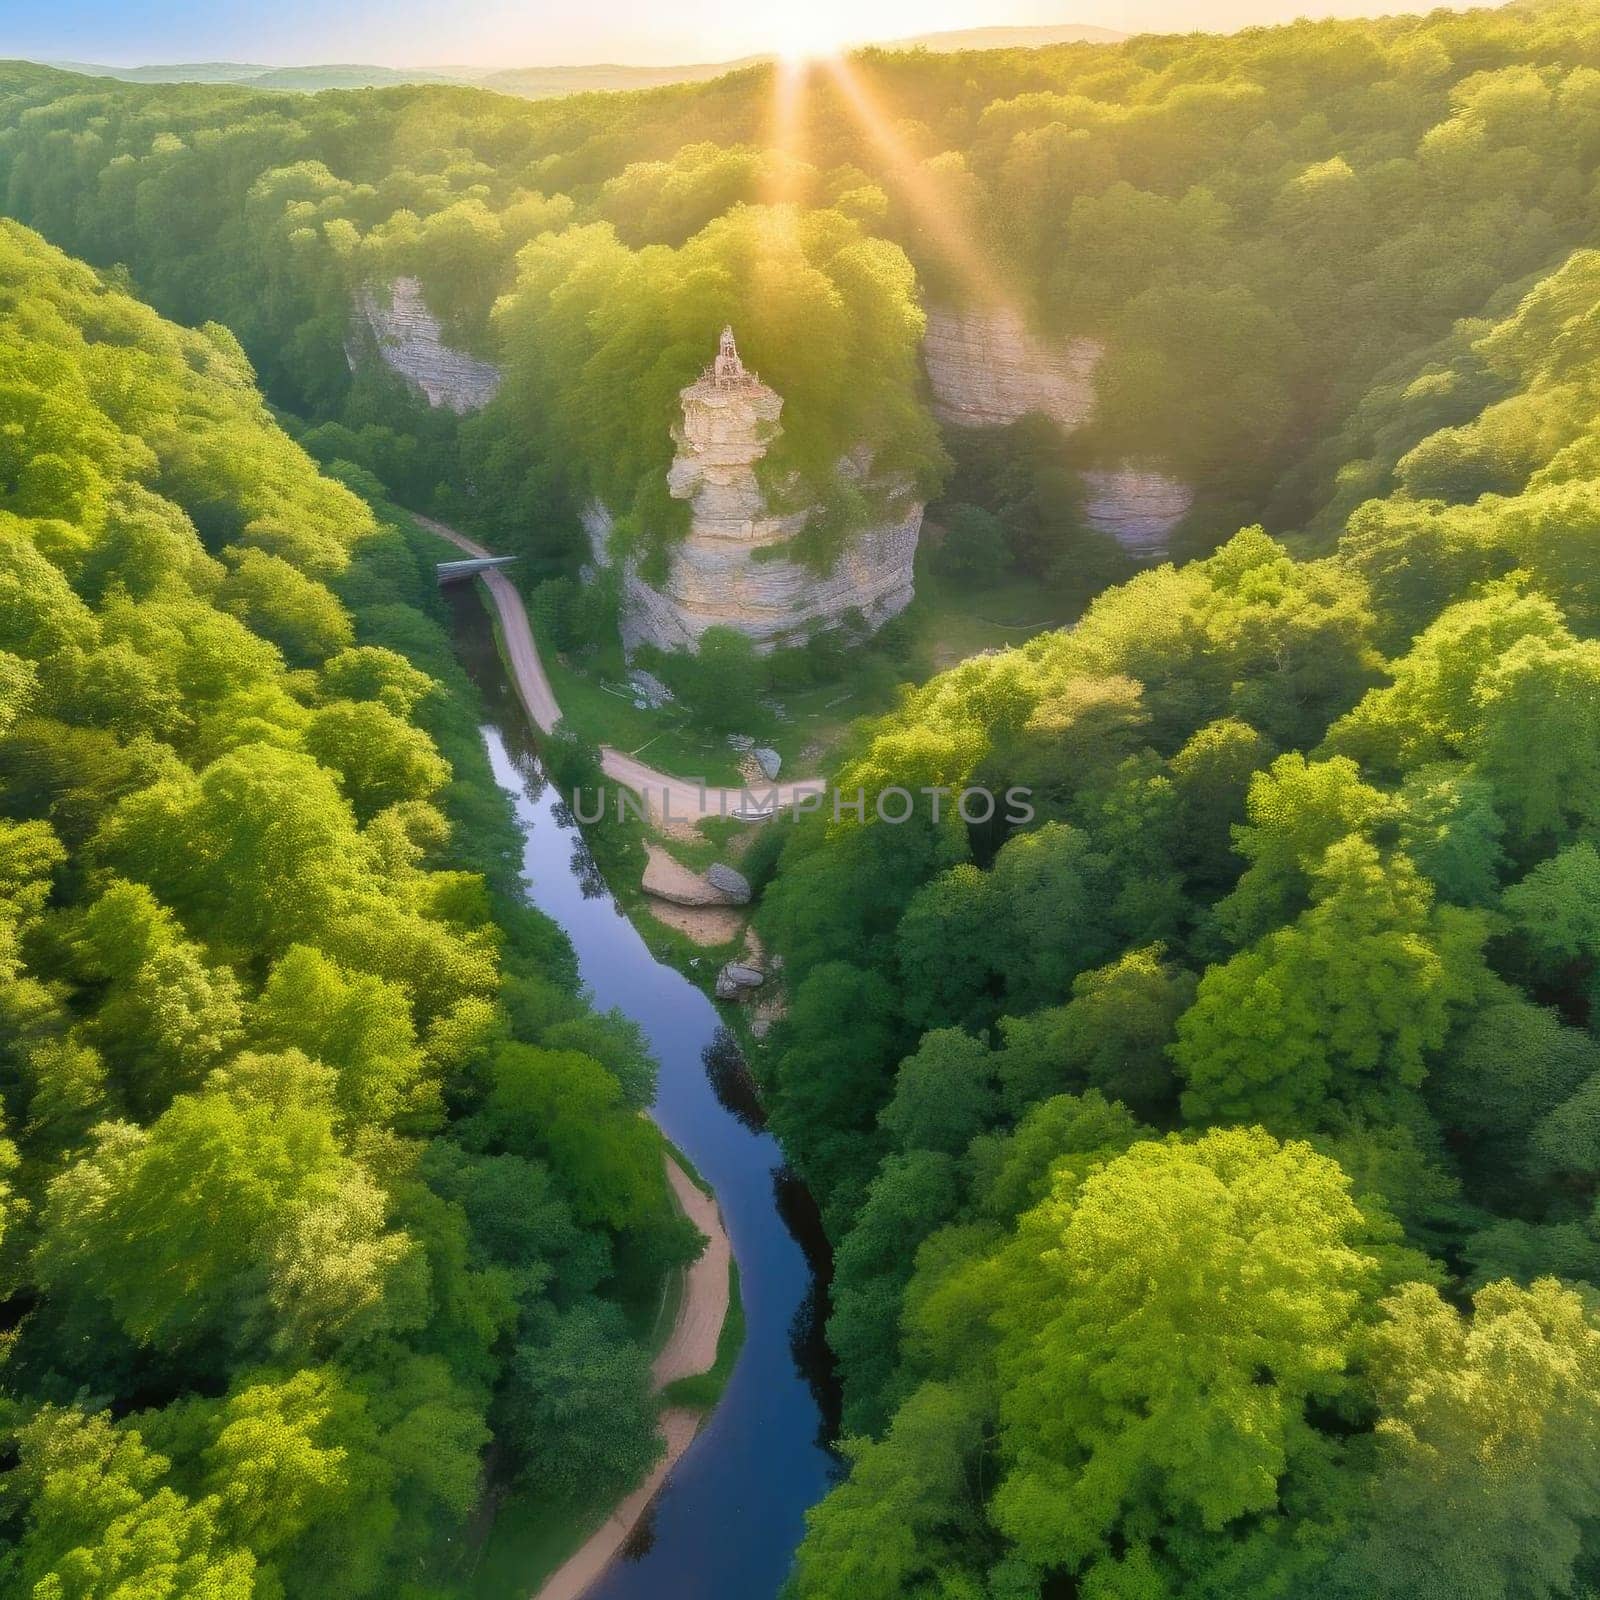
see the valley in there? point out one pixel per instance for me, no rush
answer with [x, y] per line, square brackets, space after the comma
[467, 1132]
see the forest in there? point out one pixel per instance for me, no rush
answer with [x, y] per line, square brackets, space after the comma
[318, 1170]
[1245, 1107]
[1212, 1166]
[1267, 221]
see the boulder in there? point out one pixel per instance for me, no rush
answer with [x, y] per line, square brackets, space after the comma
[733, 885]
[670, 880]
[768, 760]
[649, 688]
[735, 981]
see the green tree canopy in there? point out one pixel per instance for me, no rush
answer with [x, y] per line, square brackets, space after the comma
[1187, 1302]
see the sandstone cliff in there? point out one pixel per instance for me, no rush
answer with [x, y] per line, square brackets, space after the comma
[986, 369]
[727, 572]
[1136, 507]
[408, 338]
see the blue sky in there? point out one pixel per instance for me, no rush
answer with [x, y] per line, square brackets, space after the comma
[508, 33]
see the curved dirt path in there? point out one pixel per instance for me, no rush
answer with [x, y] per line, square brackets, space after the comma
[691, 1349]
[670, 799]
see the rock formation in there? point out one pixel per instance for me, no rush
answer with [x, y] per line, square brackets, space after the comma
[725, 572]
[408, 338]
[668, 879]
[1136, 507]
[735, 981]
[986, 370]
[730, 882]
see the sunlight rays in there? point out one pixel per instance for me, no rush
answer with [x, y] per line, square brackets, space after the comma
[787, 180]
[936, 211]
[814, 29]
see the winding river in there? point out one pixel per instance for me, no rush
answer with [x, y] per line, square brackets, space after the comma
[726, 1524]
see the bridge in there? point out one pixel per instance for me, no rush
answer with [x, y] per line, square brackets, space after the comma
[455, 571]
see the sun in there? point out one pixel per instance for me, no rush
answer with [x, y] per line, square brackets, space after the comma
[811, 32]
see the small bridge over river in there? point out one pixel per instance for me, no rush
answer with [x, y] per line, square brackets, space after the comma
[456, 571]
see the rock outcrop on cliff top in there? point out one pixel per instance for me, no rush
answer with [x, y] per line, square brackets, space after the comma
[407, 337]
[986, 369]
[727, 571]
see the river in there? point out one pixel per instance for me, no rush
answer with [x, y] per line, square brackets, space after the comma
[726, 1525]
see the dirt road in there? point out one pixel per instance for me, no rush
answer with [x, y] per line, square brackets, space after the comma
[669, 798]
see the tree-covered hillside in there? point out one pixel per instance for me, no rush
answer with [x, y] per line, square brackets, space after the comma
[1213, 1164]
[318, 1173]
[1256, 226]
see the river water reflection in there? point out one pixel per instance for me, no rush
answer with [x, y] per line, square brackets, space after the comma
[727, 1523]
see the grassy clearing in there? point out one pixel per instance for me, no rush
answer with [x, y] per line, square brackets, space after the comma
[602, 711]
[951, 621]
[702, 1391]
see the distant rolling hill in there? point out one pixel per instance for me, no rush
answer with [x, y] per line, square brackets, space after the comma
[1006, 38]
[540, 83]
[354, 75]
[185, 72]
[252, 75]
[544, 83]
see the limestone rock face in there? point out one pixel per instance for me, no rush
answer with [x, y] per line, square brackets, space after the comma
[408, 338]
[729, 418]
[726, 572]
[1137, 507]
[986, 369]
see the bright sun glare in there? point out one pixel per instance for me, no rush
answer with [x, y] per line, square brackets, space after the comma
[806, 31]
